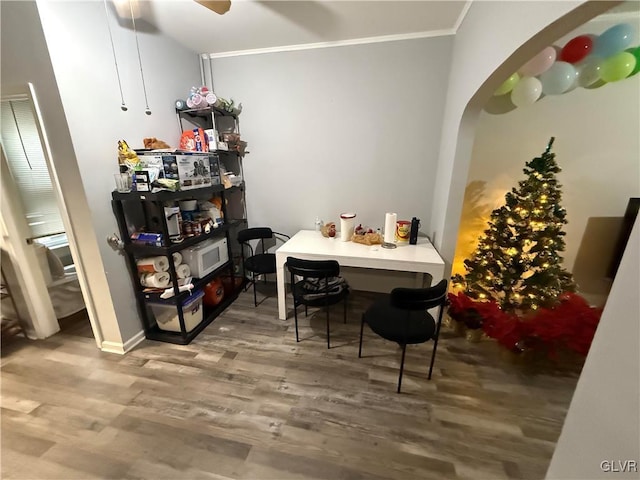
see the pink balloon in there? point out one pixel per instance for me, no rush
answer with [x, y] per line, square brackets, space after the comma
[539, 64]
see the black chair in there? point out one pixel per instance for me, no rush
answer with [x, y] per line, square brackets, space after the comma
[402, 317]
[258, 263]
[320, 286]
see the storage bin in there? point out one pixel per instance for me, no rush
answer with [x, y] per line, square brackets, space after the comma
[167, 315]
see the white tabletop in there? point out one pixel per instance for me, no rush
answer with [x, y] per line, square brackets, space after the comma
[311, 245]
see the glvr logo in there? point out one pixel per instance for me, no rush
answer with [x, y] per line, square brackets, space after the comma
[619, 466]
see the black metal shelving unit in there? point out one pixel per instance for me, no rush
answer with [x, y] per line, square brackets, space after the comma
[124, 207]
[132, 212]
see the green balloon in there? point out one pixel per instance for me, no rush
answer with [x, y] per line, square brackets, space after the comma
[617, 67]
[508, 85]
[636, 53]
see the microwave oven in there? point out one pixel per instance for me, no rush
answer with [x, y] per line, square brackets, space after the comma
[206, 256]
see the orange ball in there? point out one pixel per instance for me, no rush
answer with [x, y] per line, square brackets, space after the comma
[213, 292]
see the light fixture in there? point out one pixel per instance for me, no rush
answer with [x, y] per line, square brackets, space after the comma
[123, 106]
[135, 33]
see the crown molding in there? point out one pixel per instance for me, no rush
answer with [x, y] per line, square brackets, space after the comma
[338, 43]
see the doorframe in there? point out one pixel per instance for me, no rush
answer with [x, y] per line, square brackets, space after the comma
[28, 92]
[36, 310]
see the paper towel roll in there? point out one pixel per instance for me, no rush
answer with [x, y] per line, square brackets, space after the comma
[177, 258]
[390, 220]
[153, 264]
[183, 270]
[155, 280]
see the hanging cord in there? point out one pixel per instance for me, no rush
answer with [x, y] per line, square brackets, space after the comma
[144, 87]
[115, 60]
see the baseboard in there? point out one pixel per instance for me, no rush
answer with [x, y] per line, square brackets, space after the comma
[122, 348]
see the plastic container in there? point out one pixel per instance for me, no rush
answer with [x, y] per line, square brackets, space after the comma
[167, 315]
[188, 205]
[347, 226]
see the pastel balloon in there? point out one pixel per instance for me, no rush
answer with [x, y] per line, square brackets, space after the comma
[589, 71]
[508, 85]
[576, 49]
[526, 92]
[617, 67]
[636, 53]
[614, 40]
[558, 79]
[596, 85]
[539, 64]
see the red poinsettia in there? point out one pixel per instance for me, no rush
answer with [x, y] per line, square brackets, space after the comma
[570, 325]
[473, 314]
[507, 329]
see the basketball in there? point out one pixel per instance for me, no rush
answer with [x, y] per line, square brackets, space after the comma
[213, 293]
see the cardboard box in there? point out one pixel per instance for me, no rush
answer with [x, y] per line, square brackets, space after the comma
[192, 170]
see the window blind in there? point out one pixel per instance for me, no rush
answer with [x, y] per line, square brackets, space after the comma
[26, 159]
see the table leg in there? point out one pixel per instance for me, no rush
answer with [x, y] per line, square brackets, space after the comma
[282, 290]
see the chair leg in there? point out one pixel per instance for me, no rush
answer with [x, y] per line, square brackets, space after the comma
[255, 300]
[306, 311]
[361, 329]
[345, 310]
[404, 350]
[433, 355]
[328, 334]
[295, 316]
[435, 342]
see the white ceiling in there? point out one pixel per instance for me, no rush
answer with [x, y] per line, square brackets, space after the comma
[257, 25]
[269, 25]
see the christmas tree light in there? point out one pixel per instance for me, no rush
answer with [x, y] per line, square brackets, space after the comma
[517, 261]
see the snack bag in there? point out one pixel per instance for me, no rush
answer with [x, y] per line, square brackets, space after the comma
[194, 141]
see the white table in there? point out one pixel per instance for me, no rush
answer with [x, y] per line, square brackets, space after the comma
[311, 245]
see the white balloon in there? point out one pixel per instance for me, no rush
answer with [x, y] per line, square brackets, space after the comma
[558, 79]
[526, 92]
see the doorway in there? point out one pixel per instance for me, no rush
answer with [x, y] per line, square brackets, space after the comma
[38, 264]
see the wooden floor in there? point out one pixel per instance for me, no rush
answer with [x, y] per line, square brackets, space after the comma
[245, 401]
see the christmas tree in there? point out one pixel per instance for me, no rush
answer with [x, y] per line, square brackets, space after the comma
[517, 261]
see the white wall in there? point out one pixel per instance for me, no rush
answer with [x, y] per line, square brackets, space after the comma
[481, 61]
[603, 422]
[331, 130]
[597, 147]
[493, 41]
[78, 41]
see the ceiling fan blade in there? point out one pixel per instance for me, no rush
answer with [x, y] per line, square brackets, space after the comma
[220, 7]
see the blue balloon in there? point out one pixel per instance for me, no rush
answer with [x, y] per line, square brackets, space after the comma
[613, 40]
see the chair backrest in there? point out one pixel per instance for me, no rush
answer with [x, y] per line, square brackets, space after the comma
[254, 233]
[419, 298]
[313, 268]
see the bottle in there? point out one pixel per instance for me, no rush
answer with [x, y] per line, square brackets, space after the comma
[413, 234]
[318, 224]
